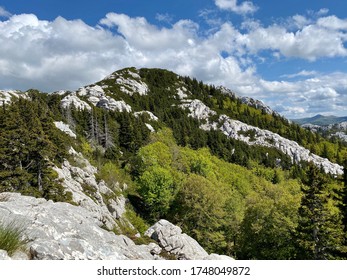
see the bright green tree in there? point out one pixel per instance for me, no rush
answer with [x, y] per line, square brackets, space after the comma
[156, 186]
[199, 209]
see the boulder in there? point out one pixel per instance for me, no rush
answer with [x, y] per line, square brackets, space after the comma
[172, 240]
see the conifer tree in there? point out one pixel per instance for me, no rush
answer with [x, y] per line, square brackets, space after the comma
[344, 197]
[320, 230]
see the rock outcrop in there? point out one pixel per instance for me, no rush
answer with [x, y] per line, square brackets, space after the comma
[57, 231]
[179, 244]
[63, 231]
[255, 136]
[6, 96]
[96, 197]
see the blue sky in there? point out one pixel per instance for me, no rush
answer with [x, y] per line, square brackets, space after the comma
[290, 54]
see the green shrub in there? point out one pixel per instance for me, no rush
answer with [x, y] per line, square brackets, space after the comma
[11, 237]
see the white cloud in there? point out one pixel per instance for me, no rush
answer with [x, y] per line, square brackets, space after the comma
[323, 12]
[310, 41]
[4, 13]
[164, 17]
[67, 54]
[246, 7]
[325, 94]
[332, 22]
[303, 73]
[140, 34]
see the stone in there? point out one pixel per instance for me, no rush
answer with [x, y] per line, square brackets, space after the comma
[65, 128]
[4, 255]
[6, 96]
[63, 231]
[172, 240]
[218, 257]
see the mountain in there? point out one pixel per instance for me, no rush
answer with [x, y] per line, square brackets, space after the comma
[321, 120]
[99, 165]
[329, 126]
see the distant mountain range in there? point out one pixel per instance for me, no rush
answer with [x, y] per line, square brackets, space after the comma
[320, 120]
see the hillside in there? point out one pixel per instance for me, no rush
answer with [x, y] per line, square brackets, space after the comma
[143, 145]
[321, 120]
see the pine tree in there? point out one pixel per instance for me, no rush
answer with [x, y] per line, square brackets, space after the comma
[344, 197]
[320, 230]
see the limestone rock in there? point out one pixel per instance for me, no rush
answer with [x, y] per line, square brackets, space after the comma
[4, 255]
[63, 231]
[198, 109]
[88, 193]
[73, 100]
[218, 257]
[172, 240]
[65, 128]
[7, 95]
[255, 136]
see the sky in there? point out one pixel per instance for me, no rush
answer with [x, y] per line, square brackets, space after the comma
[292, 55]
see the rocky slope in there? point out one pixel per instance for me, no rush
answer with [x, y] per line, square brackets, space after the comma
[56, 231]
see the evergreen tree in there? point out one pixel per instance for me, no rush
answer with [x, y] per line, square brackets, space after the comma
[344, 197]
[320, 233]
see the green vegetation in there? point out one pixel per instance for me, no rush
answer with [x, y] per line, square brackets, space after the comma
[11, 237]
[246, 201]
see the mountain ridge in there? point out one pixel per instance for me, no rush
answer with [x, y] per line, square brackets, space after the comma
[321, 120]
[116, 93]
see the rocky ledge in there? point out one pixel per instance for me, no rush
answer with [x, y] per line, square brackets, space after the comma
[55, 231]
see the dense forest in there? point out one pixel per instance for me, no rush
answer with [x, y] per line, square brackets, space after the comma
[249, 202]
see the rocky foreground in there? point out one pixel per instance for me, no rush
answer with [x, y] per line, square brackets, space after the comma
[57, 231]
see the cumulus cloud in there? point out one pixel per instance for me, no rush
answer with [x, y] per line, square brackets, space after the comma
[67, 54]
[324, 94]
[57, 54]
[324, 38]
[246, 7]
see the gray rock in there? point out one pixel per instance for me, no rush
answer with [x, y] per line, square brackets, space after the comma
[218, 257]
[4, 255]
[76, 178]
[20, 255]
[252, 135]
[63, 231]
[171, 238]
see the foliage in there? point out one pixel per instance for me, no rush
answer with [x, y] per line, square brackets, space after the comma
[156, 186]
[227, 208]
[29, 146]
[269, 223]
[11, 237]
[320, 232]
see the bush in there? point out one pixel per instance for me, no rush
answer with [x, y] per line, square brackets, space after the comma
[11, 237]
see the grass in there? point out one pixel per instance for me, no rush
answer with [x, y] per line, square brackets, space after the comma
[11, 237]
